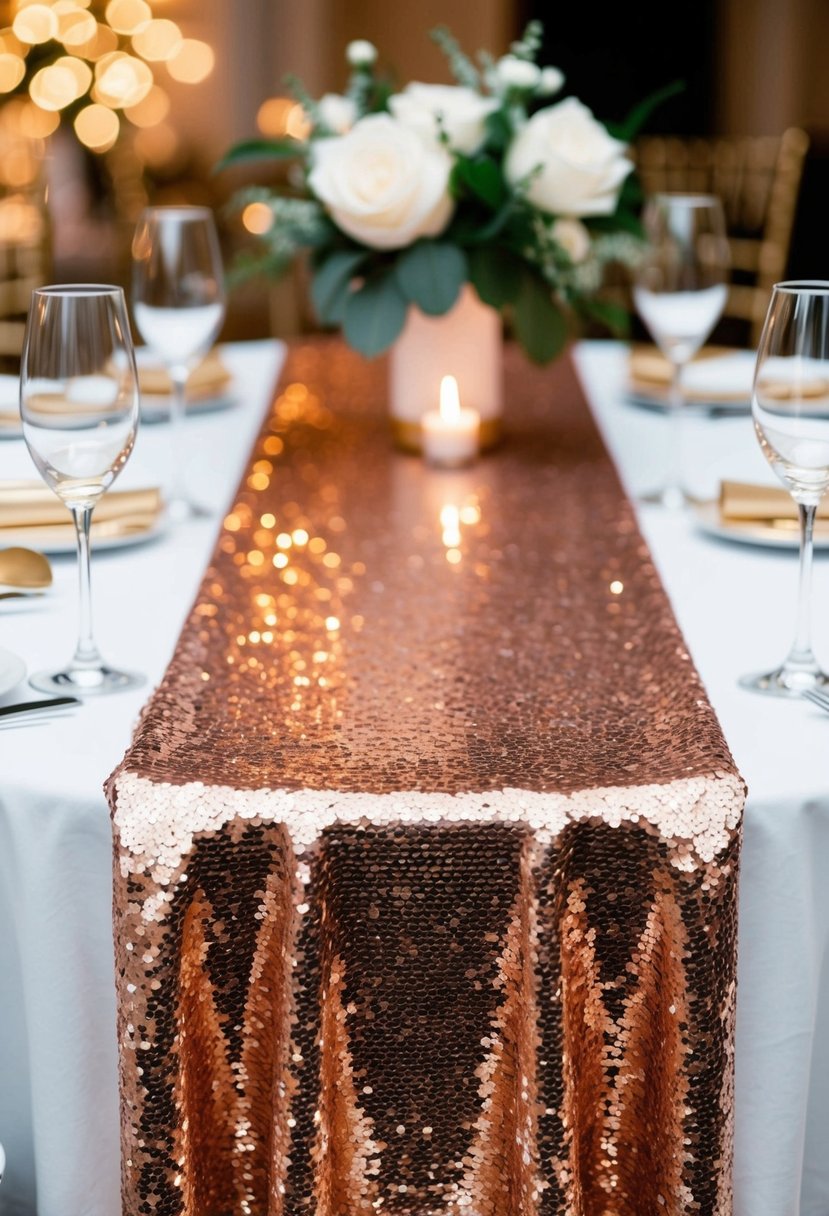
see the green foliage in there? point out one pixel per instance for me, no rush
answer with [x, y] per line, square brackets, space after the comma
[529, 44]
[261, 149]
[374, 314]
[639, 115]
[613, 316]
[481, 177]
[430, 275]
[331, 284]
[540, 325]
[496, 274]
[460, 65]
[497, 240]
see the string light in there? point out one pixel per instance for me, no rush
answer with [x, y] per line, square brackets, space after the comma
[108, 66]
[192, 62]
[97, 127]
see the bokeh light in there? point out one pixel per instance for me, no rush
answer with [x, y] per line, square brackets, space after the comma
[76, 27]
[158, 40]
[153, 109]
[192, 62]
[36, 23]
[12, 71]
[128, 16]
[272, 116]
[110, 46]
[97, 127]
[10, 44]
[257, 218]
[121, 80]
[53, 87]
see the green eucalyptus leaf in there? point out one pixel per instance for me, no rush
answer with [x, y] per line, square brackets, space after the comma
[430, 274]
[496, 274]
[261, 149]
[539, 323]
[331, 285]
[374, 314]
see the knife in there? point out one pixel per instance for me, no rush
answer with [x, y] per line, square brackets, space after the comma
[30, 706]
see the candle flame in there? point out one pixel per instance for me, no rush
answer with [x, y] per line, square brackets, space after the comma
[450, 402]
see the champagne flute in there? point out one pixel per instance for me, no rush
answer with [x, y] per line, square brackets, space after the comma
[79, 406]
[178, 304]
[790, 404]
[680, 292]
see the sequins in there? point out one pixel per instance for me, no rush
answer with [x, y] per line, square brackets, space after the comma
[426, 846]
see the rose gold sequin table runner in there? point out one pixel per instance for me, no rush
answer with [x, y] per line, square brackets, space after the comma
[426, 847]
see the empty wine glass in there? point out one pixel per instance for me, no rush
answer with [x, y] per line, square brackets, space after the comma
[680, 292]
[790, 404]
[178, 304]
[79, 406]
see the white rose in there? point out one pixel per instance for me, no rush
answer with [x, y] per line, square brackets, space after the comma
[573, 237]
[337, 112]
[360, 53]
[550, 81]
[577, 167]
[514, 73]
[382, 183]
[460, 112]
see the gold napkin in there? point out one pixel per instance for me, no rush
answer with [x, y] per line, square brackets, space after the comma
[30, 504]
[648, 369]
[741, 501]
[205, 380]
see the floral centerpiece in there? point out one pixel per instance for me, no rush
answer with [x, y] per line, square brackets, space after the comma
[404, 197]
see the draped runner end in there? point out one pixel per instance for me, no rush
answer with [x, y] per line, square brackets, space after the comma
[426, 847]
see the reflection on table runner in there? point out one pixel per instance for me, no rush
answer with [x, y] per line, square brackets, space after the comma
[426, 847]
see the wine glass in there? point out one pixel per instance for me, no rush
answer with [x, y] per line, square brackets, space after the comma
[178, 303]
[790, 404]
[680, 291]
[79, 407]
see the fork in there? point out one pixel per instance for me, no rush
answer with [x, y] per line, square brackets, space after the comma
[29, 713]
[817, 696]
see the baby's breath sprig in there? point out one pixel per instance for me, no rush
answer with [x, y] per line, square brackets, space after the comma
[460, 65]
[529, 44]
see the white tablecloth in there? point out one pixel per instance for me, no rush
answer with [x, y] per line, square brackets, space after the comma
[58, 1094]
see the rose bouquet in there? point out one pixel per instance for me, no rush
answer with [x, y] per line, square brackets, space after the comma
[403, 197]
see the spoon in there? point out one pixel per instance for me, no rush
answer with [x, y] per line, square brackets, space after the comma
[24, 568]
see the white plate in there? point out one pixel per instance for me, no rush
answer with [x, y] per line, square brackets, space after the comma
[12, 670]
[57, 539]
[709, 409]
[782, 535]
[715, 384]
[154, 407]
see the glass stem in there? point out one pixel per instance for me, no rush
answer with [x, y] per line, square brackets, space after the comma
[674, 494]
[800, 656]
[86, 652]
[177, 490]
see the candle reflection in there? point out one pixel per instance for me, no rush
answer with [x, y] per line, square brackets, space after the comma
[453, 518]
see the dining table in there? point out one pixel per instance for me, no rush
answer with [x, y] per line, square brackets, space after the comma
[734, 602]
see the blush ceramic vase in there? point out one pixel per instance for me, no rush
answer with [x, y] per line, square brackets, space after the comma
[467, 343]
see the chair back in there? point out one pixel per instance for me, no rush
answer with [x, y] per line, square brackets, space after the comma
[758, 180]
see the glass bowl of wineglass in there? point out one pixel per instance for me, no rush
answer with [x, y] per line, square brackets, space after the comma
[680, 291]
[178, 303]
[790, 406]
[79, 407]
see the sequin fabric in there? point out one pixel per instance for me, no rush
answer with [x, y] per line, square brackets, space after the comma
[427, 844]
